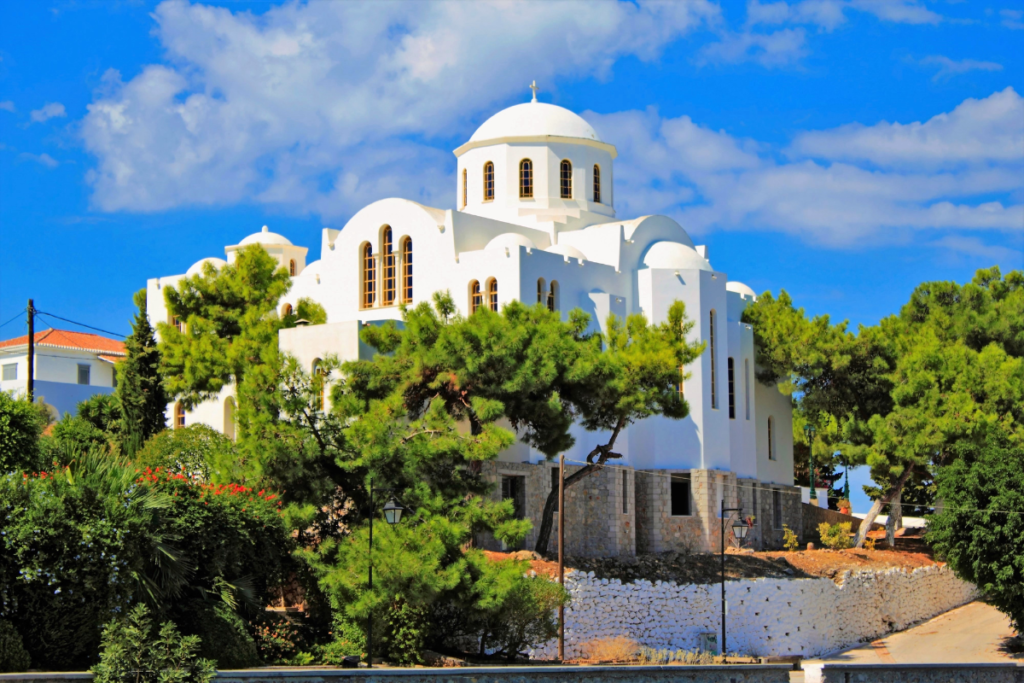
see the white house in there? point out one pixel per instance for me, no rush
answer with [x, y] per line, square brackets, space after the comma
[69, 367]
[536, 222]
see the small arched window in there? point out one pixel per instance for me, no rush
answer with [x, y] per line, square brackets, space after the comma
[388, 266]
[286, 311]
[319, 385]
[525, 179]
[465, 188]
[492, 294]
[553, 296]
[179, 415]
[488, 181]
[229, 417]
[566, 179]
[541, 290]
[771, 438]
[369, 276]
[291, 267]
[597, 184]
[407, 270]
[476, 297]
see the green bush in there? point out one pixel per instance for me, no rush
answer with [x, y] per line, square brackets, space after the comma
[224, 635]
[134, 652]
[21, 423]
[789, 540]
[187, 451]
[13, 656]
[835, 536]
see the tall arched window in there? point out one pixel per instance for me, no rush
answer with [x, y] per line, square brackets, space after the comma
[291, 267]
[369, 276]
[388, 266]
[553, 296]
[566, 179]
[488, 181]
[525, 179]
[319, 385]
[597, 184]
[476, 297]
[407, 270]
[179, 415]
[465, 188]
[492, 294]
[286, 310]
[771, 438]
[714, 375]
[541, 290]
[229, 417]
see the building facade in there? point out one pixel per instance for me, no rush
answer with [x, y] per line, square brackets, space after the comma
[536, 222]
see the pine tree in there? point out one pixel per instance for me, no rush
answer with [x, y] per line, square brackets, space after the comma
[140, 388]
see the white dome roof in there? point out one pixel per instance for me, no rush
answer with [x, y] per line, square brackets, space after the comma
[741, 289]
[513, 240]
[533, 119]
[675, 256]
[265, 237]
[197, 267]
[567, 251]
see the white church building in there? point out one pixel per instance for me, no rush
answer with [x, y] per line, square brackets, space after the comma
[536, 222]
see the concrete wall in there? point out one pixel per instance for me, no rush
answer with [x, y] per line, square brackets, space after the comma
[767, 617]
[920, 673]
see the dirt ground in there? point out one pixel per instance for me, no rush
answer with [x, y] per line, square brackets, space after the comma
[706, 567]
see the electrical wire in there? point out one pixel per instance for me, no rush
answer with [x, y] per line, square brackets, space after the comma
[74, 322]
[18, 315]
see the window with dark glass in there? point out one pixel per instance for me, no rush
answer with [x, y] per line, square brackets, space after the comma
[732, 390]
[84, 372]
[554, 484]
[566, 179]
[476, 298]
[388, 266]
[525, 179]
[369, 276]
[680, 495]
[625, 492]
[488, 181]
[597, 184]
[407, 270]
[492, 294]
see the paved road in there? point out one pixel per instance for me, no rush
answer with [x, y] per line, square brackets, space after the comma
[969, 634]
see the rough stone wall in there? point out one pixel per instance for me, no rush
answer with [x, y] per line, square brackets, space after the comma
[770, 530]
[766, 617]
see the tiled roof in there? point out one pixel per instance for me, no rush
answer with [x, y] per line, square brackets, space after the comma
[63, 339]
[110, 359]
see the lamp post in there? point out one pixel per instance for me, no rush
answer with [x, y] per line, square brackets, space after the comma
[810, 431]
[393, 515]
[739, 530]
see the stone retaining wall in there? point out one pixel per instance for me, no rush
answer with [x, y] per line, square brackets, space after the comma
[767, 617]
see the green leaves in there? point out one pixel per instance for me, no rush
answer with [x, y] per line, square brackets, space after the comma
[140, 392]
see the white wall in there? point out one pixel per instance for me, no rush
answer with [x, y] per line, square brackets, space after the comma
[773, 403]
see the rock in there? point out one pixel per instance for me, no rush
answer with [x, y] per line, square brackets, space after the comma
[431, 658]
[350, 662]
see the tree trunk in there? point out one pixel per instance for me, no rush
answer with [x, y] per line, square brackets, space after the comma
[877, 506]
[895, 520]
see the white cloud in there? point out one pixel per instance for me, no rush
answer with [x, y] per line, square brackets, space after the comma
[777, 49]
[7, 105]
[950, 67]
[1012, 18]
[303, 103]
[899, 11]
[43, 159]
[971, 246]
[50, 110]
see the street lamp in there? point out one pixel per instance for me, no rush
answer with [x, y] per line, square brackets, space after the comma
[739, 530]
[810, 431]
[393, 515]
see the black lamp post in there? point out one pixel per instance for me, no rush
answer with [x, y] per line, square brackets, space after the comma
[811, 431]
[739, 530]
[393, 515]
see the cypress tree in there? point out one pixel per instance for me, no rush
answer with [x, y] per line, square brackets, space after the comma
[140, 389]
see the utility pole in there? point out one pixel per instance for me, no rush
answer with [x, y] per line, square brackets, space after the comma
[31, 351]
[561, 557]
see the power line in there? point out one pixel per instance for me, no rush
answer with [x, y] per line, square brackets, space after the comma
[74, 322]
[18, 315]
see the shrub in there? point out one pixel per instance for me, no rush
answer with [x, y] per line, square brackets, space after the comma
[617, 649]
[649, 655]
[869, 544]
[224, 636]
[835, 536]
[789, 539]
[13, 656]
[187, 451]
[21, 423]
[133, 652]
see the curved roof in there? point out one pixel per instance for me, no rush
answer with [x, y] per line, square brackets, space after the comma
[567, 251]
[535, 119]
[511, 240]
[197, 267]
[265, 237]
[674, 256]
[741, 289]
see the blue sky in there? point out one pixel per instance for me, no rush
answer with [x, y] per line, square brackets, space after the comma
[845, 150]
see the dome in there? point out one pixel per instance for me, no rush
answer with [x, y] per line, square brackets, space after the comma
[266, 237]
[675, 256]
[739, 288]
[533, 119]
[511, 240]
[567, 251]
[197, 267]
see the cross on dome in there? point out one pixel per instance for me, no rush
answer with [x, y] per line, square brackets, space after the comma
[534, 88]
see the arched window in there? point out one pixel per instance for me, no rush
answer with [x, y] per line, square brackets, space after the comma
[488, 181]
[771, 438]
[176, 322]
[597, 184]
[465, 188]
[291, 267]
[476, 297]
[179, 415]
[541, 290]
[319, 385]
[566, 179]
[388, 266]
[229, 418]
[369, 276]
[286, 311]
[732, 388]
[714, 375]
[525, 179]
[553, 296]
[492, 294]
[407, 270]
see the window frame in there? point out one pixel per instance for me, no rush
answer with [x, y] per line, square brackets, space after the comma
[565, 179]
[369, 272]
[492, 294]
[771, 439]
[597, 183]
[488, 181]
[291, 268]
[680, 478]
[526, 178]
[87, 368]
[465, 188]
[13, 368]
[553, 291]
[542, 288]
[406, 250]
[732, 387]
[179, 415]
[476, 297]
[625, 492]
